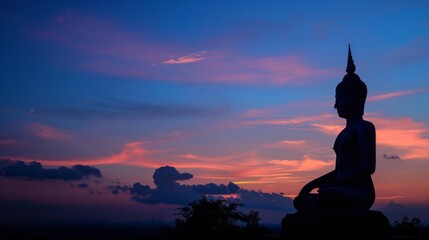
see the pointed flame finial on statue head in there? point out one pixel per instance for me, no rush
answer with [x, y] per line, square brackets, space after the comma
[352, 84]
[351, 68]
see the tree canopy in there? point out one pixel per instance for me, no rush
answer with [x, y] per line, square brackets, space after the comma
[214, 218]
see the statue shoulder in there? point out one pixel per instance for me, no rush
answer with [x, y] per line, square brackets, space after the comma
[367, 126]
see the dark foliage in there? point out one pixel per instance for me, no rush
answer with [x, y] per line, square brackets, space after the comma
[411, 227]
[217, 218]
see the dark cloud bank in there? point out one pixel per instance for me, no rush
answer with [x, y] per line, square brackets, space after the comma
[35, 171]
[112, 109]
[169, 191]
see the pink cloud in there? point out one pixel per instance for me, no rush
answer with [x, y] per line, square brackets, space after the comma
[307, 164]
[221, 68]
[405, 135]
[211, 162]
[293, 142]
[100, 37]
[11, 142]
[136, 154]
[47, 132]
[132, 153]
[396, 94]
[106, 48]
[190, 58]
[266, 70]
[292, 121]
[241, 167]
[252, 113]
[290, 144]
[390, 197]
[252, 169]
[286, 68]
[330, 129]
[413, 51]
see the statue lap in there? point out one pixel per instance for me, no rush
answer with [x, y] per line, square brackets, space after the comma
[338, 223]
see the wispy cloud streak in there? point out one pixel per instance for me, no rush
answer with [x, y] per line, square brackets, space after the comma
[406, 135]
[291, 121]
[47, 132]
[105, 48]
[10, 142]
[397, 94]
[307, 164]
[190, 58]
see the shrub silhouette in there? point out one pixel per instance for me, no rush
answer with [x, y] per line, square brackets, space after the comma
[214, 218]
[411, 227]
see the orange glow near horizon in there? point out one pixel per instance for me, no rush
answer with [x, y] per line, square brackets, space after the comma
[254, 170]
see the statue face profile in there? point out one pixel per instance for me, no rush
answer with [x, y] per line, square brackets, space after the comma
[344, 103]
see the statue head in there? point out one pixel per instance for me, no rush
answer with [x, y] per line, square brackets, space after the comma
[350, 93]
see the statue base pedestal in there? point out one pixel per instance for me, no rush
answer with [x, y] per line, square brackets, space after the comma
[336, 224]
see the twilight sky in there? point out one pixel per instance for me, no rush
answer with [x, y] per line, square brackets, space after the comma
[236, 97]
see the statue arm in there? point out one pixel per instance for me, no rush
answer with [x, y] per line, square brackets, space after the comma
[328, 178]
[366, 167]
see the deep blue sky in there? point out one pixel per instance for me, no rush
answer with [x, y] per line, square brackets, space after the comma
[229, 91]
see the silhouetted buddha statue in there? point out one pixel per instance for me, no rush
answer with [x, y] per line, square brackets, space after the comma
[349, 184]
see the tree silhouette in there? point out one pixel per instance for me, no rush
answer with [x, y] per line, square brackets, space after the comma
[214, 218]
[411, 227]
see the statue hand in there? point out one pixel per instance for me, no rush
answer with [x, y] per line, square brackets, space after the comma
[326, 186]
[305, 190]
